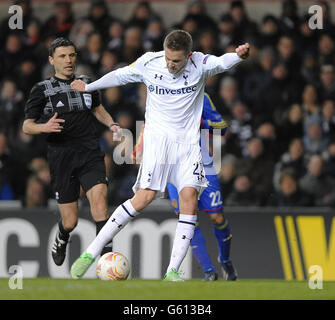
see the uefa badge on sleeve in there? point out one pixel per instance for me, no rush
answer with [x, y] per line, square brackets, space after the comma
[88, 100]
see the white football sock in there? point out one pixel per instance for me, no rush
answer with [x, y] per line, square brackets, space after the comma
[182, 240]
[119, 218]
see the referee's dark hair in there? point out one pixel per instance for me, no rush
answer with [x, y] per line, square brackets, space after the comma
[59, 42]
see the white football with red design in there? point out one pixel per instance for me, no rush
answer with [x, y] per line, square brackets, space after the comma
[113, 266]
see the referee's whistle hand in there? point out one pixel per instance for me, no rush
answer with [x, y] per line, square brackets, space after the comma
[54, 124]
[78, 85]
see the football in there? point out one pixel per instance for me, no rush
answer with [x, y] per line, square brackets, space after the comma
[113, 266]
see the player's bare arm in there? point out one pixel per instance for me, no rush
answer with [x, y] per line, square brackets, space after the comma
[243, 50]
[53, 125]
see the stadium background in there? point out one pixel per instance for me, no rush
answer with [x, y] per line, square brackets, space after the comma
[271, 239]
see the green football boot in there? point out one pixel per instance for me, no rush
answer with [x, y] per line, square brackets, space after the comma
[173, 275]
[81, 265]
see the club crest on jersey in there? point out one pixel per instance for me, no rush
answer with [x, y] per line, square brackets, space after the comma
[185, 77]
[88, 100]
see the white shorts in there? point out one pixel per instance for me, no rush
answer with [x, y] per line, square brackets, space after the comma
[166, 161]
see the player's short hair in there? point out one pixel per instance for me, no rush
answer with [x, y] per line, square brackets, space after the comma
[179, 40]
[60, 42]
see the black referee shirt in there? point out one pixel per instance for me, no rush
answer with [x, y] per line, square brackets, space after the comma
[55, 95]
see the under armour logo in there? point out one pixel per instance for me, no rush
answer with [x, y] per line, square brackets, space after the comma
[157, 76]
[118, 225]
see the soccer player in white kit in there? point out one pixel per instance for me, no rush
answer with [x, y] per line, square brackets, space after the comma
[175, 80]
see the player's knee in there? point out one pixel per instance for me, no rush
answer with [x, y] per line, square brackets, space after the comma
[69, 223]
[188, 194]
[217, 218]
[142, 199]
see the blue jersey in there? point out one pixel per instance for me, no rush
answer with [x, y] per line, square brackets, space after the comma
[211, 199]
[210, 119]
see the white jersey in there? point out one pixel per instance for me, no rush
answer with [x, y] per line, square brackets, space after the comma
[174, 101]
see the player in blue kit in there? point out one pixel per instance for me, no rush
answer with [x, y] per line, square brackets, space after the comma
[211, 202]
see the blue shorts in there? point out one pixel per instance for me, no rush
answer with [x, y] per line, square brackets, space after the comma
[210, 201]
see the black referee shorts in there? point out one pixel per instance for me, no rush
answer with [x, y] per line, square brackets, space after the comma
[71, 168]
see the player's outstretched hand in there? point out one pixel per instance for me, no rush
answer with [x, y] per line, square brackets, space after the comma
[54, 124]
[243, 50]
[78, 85]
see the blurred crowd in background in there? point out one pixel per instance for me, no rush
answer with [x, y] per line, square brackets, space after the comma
[280, 103]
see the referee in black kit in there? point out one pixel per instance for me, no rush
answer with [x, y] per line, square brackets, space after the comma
[74, 154]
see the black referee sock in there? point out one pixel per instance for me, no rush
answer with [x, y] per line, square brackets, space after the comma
[100, 225]
[109, 246]
[63, 234]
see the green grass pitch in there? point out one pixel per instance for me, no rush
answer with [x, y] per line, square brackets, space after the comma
[136, 289]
